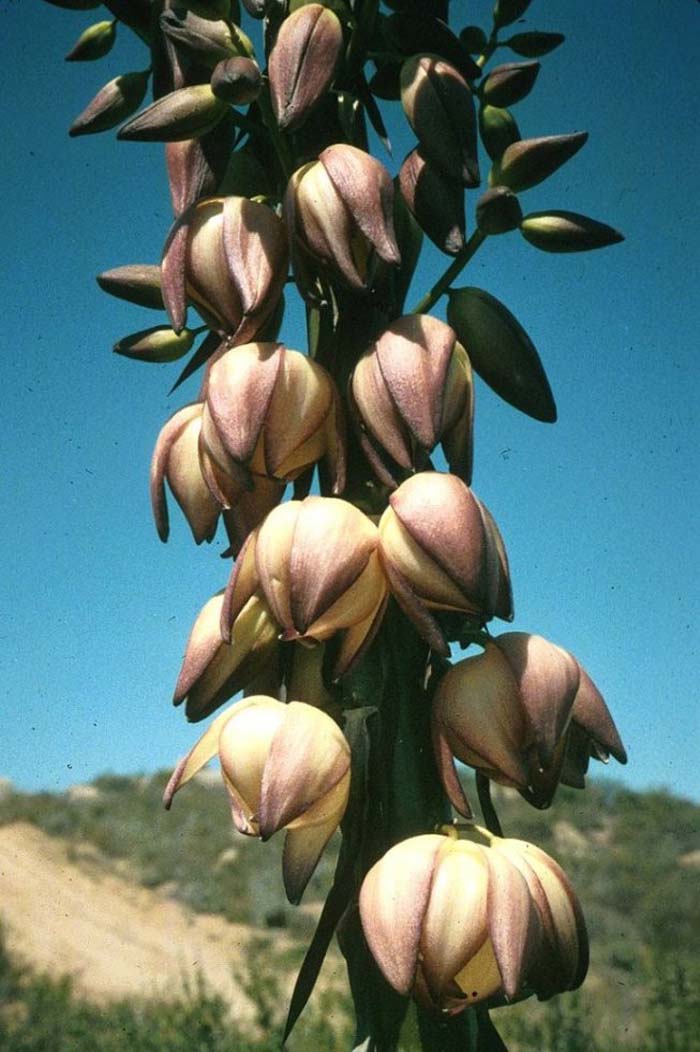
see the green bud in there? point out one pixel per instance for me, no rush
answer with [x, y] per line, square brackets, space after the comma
[157, 345]
[498, 211]
[530, 161]
[498, 130]
[203, 40]
[113, 103]
[509, 83]
[187, 113]
[507, 11]
[95, 42]
[534, 44]
[567, 232]
[137, 283]
[473, 39]
[501, 351]
[236, 81]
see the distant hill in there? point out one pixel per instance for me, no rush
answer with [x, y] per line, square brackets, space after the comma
[136, 874]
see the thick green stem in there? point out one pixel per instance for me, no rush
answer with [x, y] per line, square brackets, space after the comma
[455, 268]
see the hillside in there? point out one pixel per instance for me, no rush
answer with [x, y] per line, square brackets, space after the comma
[101, 883]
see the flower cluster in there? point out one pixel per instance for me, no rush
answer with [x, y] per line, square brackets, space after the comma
[273, 184]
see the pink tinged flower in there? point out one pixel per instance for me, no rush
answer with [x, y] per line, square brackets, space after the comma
[316, 563]
[227, 255]
[411, 390]
[176, 459]
[562, 962]
[285, 766]
[338, 210]
[213, 670]
[511, 712]
[441, 550]
[275, 413]
[436, 202]
[450, 921]
[302, 62]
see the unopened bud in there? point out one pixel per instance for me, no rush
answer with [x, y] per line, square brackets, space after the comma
[509, 83]
[436, 202]
[498, 211]
[498, 130]
[137, 283]
[176, 459]
[473, 39]
[501, 352]
[417, 33]
[187, 113]
[507, 11]
[440, 108]
[302, 62]
[567, 232]
[534, 44]
[159, 344]
[237, 81]
[530, 161]
[95, 42]
[113, 103]
[203, 40]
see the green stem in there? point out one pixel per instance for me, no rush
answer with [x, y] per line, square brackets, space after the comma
[491, 45]
[455, 268]
[483, 789]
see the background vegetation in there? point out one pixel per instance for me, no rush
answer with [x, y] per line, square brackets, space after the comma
[633, 857]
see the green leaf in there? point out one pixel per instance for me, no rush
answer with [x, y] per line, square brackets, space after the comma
[501, 352]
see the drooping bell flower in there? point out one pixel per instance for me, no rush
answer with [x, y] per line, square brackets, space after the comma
[213, 670]
[515, 712]
[442, 550]
[339, 210]
[176, 460]
[285, 766]
[228, 256]
[275, 412]
[411, 390]
[316, 563]
[457, 923]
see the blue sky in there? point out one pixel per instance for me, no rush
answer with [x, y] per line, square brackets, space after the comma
[599, 512]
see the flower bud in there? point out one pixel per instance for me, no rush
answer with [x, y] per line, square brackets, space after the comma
[196, 167]
[230, 256]
[440, 108]
[507, 84]
[451, 921]
[204, 41]
[285, 766]
[530, 161]
[213, 671]
[176, 458]
[159, 344]
[94, 42]
[186, 113]
[115, 101]
[507, 11]
[436, 202]
[501, 352]
[411, 390]
[498, 211]
[302, 62]
[339, 208]
[442, 551]
[316, 563]
[507, 712]
[498, 130]
[137, 283]
[276, 412]
[237, 81]
[567, 232]
[535, 43]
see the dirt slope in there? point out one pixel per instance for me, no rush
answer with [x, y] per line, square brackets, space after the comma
[114, 937]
